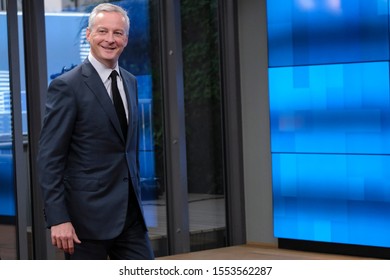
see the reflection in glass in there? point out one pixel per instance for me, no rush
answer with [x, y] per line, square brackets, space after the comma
[203, 124]
[8, 248]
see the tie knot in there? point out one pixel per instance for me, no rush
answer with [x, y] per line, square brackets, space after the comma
[113, 74]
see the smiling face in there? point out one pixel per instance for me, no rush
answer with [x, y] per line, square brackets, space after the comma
[108, 37]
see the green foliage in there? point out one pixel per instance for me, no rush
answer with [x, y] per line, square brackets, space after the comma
[200, 50]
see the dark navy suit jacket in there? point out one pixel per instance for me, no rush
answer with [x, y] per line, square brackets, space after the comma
[84, 161]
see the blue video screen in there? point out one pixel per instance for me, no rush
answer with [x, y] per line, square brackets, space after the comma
[332, 198]
[329, 94]
[331, 108]
[306, 32]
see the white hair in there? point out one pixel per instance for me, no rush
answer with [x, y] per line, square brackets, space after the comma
[109, 8]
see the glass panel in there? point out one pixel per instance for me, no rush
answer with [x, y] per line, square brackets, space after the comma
[141, 58]
[203, 124]
[8, 247]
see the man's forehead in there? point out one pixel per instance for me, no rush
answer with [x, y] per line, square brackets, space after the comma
[108, 14]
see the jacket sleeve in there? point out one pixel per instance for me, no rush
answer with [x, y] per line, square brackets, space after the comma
[60, 114]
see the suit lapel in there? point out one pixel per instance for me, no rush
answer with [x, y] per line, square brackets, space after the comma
[93, 81]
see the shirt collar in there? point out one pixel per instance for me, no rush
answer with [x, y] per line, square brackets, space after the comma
[103, 71]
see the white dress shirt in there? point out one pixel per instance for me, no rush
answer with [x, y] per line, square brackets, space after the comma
[104, 74]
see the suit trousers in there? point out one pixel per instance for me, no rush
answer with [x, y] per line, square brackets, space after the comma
[132, 244]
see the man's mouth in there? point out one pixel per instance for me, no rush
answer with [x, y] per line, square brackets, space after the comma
[108, 48]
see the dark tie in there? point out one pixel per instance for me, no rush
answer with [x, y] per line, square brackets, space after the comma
[116, 97]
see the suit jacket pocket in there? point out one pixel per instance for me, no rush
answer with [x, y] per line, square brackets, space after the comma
[82, 183]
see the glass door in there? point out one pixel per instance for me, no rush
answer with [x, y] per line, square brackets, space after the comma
[8, 237]
[203, 118]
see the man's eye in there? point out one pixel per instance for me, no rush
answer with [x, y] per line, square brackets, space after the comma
[102, 31]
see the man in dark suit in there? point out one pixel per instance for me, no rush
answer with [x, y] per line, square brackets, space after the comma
[87, 157]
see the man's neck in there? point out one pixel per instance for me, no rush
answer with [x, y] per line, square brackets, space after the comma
[103, 63]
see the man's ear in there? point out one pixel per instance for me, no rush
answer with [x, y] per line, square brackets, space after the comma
[87, 34]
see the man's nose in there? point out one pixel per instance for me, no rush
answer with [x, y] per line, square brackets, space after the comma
[110, 37]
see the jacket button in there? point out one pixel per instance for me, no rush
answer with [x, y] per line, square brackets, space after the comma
[125, 179]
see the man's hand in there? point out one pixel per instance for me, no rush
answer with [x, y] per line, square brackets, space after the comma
[63, 237]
